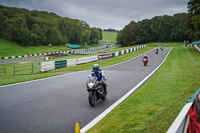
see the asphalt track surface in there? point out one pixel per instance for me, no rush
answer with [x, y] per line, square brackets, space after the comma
[54, 105]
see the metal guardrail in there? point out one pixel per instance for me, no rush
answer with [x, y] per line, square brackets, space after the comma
[198, 48]
[179, 123]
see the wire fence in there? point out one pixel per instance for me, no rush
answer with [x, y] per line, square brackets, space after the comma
[28, 68]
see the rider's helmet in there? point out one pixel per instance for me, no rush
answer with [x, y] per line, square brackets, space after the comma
[95, 67]
[145, 55]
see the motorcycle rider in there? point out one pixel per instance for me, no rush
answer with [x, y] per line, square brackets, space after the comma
[156, 50]
[97, 72]
[145, 57]
[161, 48]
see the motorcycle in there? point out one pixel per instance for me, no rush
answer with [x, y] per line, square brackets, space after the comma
[161, 48]
[145, 61]
[96, 90]
[156, 51]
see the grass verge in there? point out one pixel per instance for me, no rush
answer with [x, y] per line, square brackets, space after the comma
[109, 36]
[153, 108]
[12, 49]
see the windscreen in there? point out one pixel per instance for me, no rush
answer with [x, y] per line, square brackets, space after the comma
[92, 79]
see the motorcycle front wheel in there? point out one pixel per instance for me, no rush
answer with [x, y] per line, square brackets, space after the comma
[92, 98]
[104, 95]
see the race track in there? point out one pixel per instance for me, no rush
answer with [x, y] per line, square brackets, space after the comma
[54, 105]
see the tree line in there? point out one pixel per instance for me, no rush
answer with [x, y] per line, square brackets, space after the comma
[110, 30]
[176, 28]
[42, 28]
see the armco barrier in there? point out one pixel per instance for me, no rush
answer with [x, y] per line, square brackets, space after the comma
[198, 48]
[86, 59]
[179, 123]
[60, 64]
[71, 62]
[116, 54]
[113, 54]
[105, 56]
[46, 66]
[21, 56]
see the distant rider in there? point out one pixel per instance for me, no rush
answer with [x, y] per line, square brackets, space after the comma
[161, 48]
[156, 50]
[97, 72]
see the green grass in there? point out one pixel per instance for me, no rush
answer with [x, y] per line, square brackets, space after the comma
[109, 36]
[21, 76]
[91, 45]
[12, 49]
[8, 49]
[9, 77]
[153, 108]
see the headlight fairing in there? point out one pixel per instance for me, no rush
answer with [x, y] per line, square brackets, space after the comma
[90, 85]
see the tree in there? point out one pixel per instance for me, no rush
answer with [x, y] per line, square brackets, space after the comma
[37, 35]
[194, 7]
[40, 27]
[54, 36]
[127, 36]
[20, 30]
[95, 35]
[194, 18]
[85, 37]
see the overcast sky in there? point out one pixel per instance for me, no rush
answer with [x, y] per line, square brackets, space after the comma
[104, 13]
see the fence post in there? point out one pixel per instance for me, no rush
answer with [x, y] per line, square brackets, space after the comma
[32, 67]
[14, 69]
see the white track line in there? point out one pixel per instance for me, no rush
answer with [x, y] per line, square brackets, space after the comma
[68, 73]
[108, 110]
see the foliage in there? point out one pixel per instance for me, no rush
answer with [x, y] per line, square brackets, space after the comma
[110, 30]
[176, 28]
[193, 23]
[41, 28]
[158, 29]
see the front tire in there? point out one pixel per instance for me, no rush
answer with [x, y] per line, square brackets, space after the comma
[92, 98]
[104, 95]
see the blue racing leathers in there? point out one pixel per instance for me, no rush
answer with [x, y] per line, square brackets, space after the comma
[100, 74]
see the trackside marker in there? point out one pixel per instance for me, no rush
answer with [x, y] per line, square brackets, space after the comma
[77, 128]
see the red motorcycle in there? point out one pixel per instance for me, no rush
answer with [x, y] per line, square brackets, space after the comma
[145, 61]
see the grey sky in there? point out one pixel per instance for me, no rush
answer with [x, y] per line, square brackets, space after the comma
[104, 13]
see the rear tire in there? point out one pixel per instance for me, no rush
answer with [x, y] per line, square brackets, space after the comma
[92, 98]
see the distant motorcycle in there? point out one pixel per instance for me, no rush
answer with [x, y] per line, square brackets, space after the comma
[96, 90]
[145, 61]
[156, 51]
[161, 48]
